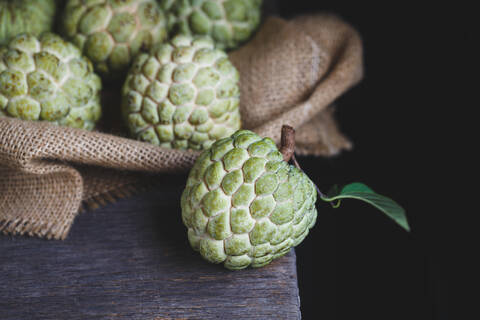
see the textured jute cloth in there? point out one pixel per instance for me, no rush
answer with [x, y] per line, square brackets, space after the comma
[291, 72]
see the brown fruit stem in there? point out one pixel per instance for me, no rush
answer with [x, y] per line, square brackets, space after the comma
[287, 149]
[287, 143]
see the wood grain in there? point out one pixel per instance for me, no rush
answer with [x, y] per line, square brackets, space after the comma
[131, 260]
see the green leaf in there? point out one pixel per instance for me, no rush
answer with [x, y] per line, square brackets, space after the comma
[362, 192]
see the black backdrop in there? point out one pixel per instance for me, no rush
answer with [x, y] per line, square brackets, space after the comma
[356, 263]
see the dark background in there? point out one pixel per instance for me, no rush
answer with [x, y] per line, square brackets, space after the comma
[356, 262]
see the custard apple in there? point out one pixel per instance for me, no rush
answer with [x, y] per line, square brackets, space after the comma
[112, 32]
[47, 78]
[244, 205]
[183, 94]
[25, 16]
[228, 22]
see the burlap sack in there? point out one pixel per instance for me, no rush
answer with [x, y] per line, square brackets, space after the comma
[290, 73]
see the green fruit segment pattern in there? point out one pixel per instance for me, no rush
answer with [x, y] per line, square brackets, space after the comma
[229, 22]
[243, 205]
[112, 32]
[25, 16]
[182, 95]
[48, 79]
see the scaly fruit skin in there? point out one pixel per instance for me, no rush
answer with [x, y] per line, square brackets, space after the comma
[183, 95]
[48, 79]
[244, 205]
[112, 32]
[228, 22]
[25, 16]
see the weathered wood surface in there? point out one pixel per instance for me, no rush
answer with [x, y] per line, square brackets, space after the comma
[131, 260]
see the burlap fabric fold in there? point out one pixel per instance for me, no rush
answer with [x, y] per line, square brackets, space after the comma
[291, 72]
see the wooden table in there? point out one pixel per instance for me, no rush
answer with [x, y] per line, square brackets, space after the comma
[131, 260]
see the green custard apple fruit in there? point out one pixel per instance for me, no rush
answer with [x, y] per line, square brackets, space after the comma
[183, 94]
[47, 78]
[228, 22]
[244, 205]
[25, 16]
[112, 32]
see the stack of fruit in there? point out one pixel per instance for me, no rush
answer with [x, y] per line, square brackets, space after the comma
[179, 88]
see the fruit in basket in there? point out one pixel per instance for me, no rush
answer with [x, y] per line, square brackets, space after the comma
[112, 32]
[183, 94]
[244, 205]
[47, 78]
[229, 23]
[25, 16]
